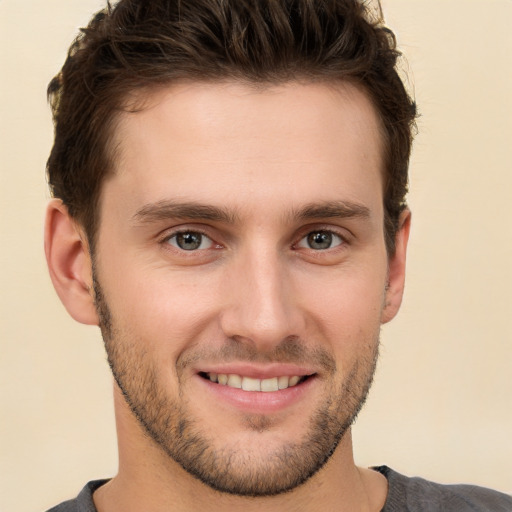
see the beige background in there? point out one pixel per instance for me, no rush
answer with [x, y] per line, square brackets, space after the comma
[442, 403]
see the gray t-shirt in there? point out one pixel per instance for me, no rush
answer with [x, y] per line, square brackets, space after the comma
[404, 495]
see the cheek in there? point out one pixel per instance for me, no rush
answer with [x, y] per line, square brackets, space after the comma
[346, 305]
[165, 309]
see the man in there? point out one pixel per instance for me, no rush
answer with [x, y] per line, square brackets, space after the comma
[229, 182]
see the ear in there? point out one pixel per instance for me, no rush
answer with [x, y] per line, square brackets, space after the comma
[396, 269]
[69, 263]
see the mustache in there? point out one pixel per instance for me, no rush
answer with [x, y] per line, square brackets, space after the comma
[290, 350]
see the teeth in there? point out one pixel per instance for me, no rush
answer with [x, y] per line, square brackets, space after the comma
[249, 384]
[293, 381]
[270, 384]
[283, 382]
[234, 381]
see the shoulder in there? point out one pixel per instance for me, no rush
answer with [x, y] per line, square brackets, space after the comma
[83, 502]
[420, 495]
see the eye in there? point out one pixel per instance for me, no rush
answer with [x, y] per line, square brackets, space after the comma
[190, 241]
[320, 240]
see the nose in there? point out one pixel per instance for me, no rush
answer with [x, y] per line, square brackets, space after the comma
[261, 303]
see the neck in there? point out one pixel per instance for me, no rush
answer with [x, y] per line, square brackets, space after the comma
[149, 480]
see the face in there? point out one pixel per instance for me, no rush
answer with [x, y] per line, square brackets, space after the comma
[241, 275]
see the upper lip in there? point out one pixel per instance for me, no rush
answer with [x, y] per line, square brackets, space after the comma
[256, 371]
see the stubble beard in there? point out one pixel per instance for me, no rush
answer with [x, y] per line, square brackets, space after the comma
[231, 469]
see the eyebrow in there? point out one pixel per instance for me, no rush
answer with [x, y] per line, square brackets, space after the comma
[163, 210]
[167, 209]
[332, 209]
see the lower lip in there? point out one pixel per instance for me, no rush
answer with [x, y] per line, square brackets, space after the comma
[259, 402]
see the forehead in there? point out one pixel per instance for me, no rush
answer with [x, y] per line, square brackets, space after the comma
[218, 139]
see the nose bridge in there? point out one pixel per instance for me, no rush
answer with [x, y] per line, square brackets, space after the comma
[260, 306]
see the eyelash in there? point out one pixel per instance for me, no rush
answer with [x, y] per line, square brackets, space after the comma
[329, 233]
[167, 239]
[332, 234]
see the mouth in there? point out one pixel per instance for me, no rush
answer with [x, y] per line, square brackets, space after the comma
[245, 383]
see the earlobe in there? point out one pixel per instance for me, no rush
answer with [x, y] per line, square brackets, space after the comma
[396, 269]
[69, 263]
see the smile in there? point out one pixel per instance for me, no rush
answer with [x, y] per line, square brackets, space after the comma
[252, 384]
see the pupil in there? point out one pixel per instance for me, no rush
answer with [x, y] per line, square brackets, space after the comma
[188, 241]
[320, 240]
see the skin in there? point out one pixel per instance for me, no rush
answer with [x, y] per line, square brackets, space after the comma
[255, 297]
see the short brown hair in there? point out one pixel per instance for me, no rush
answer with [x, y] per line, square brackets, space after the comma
[138, 44]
